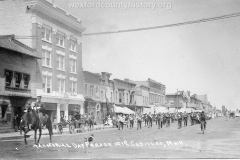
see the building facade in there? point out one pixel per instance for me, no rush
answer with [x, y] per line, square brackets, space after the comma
[56, 36]
[157, 91]
[19, 80]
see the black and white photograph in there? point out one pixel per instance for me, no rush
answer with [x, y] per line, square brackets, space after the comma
[119, 79]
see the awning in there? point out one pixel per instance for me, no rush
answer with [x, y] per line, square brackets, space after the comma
[124, 110]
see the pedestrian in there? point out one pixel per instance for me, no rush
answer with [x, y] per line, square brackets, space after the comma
[145, 119]
[159, 119]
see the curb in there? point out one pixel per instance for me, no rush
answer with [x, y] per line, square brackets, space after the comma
[77, 130]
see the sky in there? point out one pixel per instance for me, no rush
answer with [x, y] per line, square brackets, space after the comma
[202, 58]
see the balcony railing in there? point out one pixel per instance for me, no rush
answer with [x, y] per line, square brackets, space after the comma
[15, 89]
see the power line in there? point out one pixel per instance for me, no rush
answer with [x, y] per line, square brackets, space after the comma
[169, 25]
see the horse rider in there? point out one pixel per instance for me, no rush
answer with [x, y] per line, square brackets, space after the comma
[179, 120]
[185, 118]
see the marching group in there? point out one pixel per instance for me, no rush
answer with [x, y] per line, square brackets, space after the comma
[160, 119]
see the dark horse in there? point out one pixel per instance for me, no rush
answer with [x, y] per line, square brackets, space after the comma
[37, 120]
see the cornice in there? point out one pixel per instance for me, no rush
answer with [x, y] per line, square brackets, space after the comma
[36, 5]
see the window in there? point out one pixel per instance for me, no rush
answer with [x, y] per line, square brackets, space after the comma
[46, 34]
[111, 96]
[73, 45]
[73, 66]
[127, 98]
[91, 90]
[26, 79]
[85, 89]
[102, 95]
[61, 86]
[73, 88]
[47, 84]
[120, 97]
[46, 58]
[116, 96]
[60, 39]
[18, 78]
[61, 62]
[8, 78]
[97, 89]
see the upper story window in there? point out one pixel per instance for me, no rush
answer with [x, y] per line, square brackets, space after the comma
[73, 45]
[47, 84]
[73, 88]
[26, 79]
[73, 66]
[91, 90]
[8, 78]
[60, 39]
[61, 62]
[86, 89]
[61, 85]
[46, 34]
[46, 58]
[120, 97]
[16, 79]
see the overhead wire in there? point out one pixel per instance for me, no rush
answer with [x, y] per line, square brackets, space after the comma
[165, 26]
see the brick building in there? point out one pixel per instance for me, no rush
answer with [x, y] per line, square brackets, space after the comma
[19, 80]
[56, 36]
[156, 91]
[92, 94]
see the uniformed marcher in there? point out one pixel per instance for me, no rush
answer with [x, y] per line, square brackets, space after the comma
[164, 118]
[185, 118]
[167, 120]
[179, 120]
[192, 118]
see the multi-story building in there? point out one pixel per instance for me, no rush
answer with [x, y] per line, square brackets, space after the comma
[107, 94]
[177, 100]
[19, 80]
[92, 94]
[156, 91]
[195, 103]
[56, 36]
[124, 92]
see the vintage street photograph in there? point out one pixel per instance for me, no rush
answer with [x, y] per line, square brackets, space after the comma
[119, 79]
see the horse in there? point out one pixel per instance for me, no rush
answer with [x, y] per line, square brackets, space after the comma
[37, 120]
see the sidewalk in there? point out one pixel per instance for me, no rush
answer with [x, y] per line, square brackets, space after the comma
[16, 135]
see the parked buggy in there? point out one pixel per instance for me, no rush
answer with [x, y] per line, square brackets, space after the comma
[63, 124]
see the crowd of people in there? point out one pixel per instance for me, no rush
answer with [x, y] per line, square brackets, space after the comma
[160, 119]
